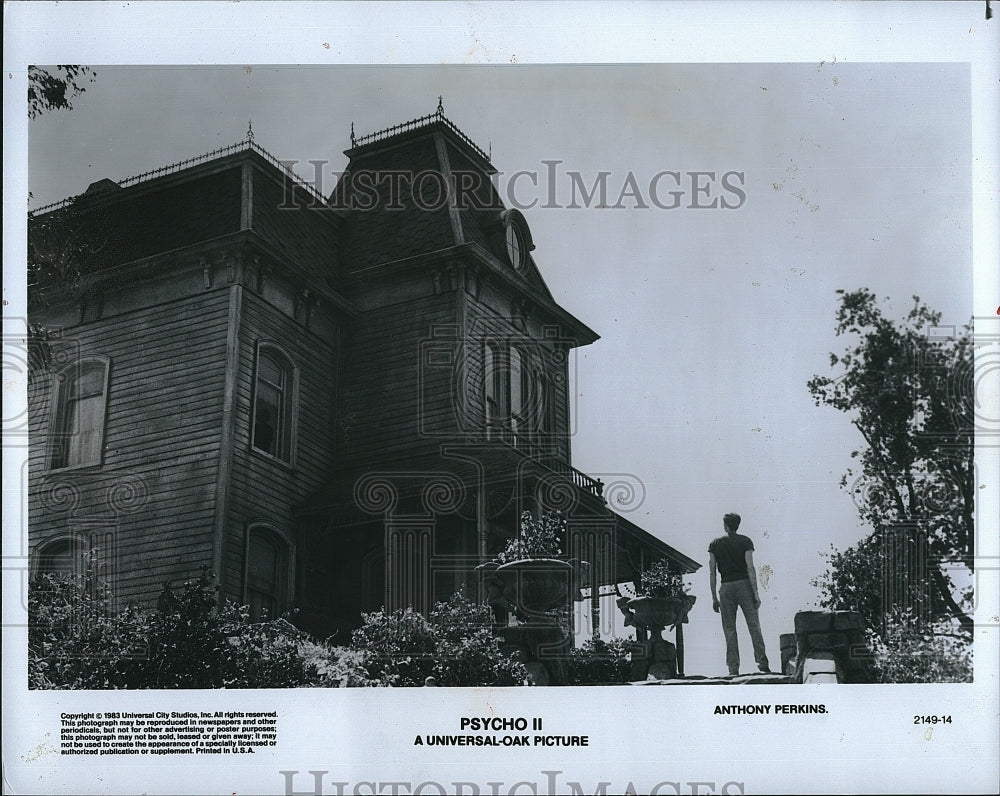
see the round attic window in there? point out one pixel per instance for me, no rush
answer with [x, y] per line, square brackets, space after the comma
[516, 250]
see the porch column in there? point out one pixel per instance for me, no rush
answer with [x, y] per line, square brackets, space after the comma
[680, 648]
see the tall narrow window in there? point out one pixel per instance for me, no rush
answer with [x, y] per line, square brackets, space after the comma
[518, 395]
[266, 569]
[543, 405]
[81, 396]
[492, 387]
[274, 403]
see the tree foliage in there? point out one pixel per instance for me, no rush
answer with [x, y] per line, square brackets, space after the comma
[909, 650]
[53, 89]
[907, 391]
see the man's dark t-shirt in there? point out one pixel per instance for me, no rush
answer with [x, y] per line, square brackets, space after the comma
[730, 556]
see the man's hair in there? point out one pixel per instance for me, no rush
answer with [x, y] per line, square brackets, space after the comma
[731, 521]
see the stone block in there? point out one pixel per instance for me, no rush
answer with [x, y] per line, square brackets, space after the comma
[786, 641]
[813, 621]
[848, 620]
[826, 641]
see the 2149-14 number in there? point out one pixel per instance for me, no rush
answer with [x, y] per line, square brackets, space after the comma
[932, 719]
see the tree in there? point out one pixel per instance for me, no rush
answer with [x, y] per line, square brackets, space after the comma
[906, 392]
[53, 90]
[51, 261]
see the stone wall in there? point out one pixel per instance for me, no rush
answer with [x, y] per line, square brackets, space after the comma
[833, 641]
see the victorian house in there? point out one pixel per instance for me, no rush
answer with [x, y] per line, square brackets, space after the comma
[330, 403]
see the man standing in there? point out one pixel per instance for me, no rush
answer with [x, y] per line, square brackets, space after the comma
[732, 555]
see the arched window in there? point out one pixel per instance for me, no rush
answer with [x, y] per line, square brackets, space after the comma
[62, 556]
[266, 581]
[273, 430]
[78, 423]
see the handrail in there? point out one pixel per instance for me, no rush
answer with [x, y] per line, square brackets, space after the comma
[246, 145]
[414, 124]
[504, 433]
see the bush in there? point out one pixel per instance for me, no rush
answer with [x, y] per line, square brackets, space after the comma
[78, 639]
[193, 645]
[455, 646]
[597, 662]
[336, 667]
[398, 646]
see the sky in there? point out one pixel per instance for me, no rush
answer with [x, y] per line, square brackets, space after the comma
[711, 320]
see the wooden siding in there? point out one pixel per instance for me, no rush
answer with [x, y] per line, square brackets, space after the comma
[155, 489]
[395, 403]
[263, 489]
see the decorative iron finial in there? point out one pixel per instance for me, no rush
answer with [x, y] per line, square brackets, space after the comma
[489, 143]
[250, 131]
[353, 139]
[440, 110]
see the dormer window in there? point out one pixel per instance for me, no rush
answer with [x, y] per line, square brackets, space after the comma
[515, 246]
[517, 238]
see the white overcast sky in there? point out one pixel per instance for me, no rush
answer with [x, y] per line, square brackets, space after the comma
[711, 321]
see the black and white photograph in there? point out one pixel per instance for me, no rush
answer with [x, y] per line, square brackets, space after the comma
[395, 421]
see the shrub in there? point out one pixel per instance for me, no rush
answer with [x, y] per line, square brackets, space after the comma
[193, 645]
[398, 646]
[336, 667]
[468, 653]
[455, 646]
[78, 639]
[598, 662]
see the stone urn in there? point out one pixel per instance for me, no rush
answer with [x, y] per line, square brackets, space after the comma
[534, 587]
[656, 613]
